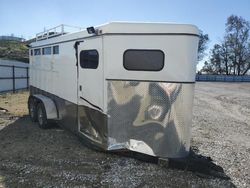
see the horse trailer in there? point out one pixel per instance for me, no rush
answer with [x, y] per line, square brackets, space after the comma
[119, 86]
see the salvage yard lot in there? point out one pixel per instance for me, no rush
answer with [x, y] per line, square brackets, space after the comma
[31, 157]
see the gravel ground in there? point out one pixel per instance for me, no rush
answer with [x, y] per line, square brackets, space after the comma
[31, 157]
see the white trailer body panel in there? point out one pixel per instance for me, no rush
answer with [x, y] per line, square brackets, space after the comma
[55, 73]
[178, 51]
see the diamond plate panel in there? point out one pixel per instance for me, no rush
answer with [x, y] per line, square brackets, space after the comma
[150, 117]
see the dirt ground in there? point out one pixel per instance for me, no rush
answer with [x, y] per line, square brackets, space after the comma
[31, 157]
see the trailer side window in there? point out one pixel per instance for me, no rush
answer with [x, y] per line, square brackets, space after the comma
[143, 60]
[37, 51]
[46, 51]
[56, 49]
[89, 59]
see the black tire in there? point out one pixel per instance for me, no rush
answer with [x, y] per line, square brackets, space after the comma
[41, 116]
[32, 109]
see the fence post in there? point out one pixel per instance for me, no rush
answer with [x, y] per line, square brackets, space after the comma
[27, 76]
[13, 79]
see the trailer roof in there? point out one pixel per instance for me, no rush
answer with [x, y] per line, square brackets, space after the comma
[147, 27]
[120, 28]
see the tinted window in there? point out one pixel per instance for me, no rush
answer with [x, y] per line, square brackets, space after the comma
[89, 59]
[143, 60]
[37, 51]
[47, 51]
[31, 52]
[55, 49]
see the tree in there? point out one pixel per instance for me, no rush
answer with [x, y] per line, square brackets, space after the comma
[221, 58]
[202, 47]
[226, 57]
[232, 55]
[237, 35]
[208, 68]
[216, 59]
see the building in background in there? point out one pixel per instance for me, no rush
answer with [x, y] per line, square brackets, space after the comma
[12, 38]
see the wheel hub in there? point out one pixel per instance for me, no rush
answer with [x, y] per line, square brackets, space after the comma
[40, 116]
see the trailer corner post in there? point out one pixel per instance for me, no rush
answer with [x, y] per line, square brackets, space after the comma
[13, 79]
[27, 76]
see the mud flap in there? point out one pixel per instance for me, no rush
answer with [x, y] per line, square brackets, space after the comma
[202, 166]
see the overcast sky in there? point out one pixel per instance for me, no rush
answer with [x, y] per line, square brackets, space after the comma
[28, 17]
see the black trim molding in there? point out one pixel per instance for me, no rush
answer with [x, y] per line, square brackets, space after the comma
[164, 81]
[91, 104]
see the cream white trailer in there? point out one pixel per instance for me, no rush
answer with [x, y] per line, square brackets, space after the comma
[118, 86]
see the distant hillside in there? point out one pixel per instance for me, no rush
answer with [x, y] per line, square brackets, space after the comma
[14, 50]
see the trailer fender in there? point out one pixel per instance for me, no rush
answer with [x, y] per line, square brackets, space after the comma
[50, 107]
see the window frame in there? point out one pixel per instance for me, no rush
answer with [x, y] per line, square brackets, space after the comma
[97, 58]
[39, 49]
[53, 51]
[156, 50]
[43, 50]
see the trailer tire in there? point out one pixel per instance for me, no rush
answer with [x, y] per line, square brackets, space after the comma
[32, 109]
[41, 116]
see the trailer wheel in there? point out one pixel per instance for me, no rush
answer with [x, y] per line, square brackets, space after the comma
[32, 110]
[41, 116]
